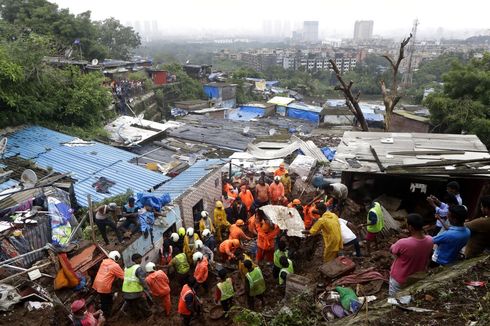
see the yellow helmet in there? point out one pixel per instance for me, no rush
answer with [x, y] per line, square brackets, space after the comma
[181, 231]
[219, 204]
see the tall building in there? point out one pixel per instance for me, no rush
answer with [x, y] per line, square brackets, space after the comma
[363, 30]
[310, 31]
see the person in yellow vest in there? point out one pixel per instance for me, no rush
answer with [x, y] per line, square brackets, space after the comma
[224, 291]
[374, 225]
[287, 268]
[190, 243]
[134, 289]
[205, 222]
[280, 252]
[242, 257]
[254, 285]
[220, 221]
[328, 225]
[181, 266]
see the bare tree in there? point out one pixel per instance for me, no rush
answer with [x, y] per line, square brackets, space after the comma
[351, 101]
[390, 96]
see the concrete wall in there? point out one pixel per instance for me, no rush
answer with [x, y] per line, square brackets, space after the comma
[209, 190]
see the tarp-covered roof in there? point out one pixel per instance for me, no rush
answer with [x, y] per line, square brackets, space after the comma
[86, 161]
[280, 100]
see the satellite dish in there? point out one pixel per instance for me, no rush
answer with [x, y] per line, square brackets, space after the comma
[95, 62]
[28, 177]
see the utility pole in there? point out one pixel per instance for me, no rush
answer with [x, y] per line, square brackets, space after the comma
[408, 75]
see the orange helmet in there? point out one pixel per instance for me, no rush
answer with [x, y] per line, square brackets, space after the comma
[239, 222]
[296, 201]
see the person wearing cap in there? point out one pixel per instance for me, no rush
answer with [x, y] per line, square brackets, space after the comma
[108, 271]
[227, 248]
[203, 249]
[130, 213]
[236, 231]
[246, 197]
[286, 182]
[209, 240]
[276, 191]
[134, 289]
[280, 171]
[262, 193]
[255, 284]
[146, 217]
[82, 317]
[159, 286]
[238, 211]
[104, 217]
[181, 266]
[201, 270]
[220, 220]
[224, 291]
[450, 243]
[338, 192]
[167, 250]
[205, 221]
[189, 303]
[480, 231]
[189, 243]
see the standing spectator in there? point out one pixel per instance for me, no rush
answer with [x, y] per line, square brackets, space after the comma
[262, 193]
[238, 211]
[276, 190]
[480, 231]
[286, 182]
[412, 254]
[453, 188]
[281, 171]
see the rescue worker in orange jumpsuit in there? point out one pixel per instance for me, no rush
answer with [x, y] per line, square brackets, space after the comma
[246, 197]
[201, 271]
[108, 271]
[267, 234]
[159, 286]
[276, 190]
[281, 171]
[189, 304]
[228, 247]
[236, 231]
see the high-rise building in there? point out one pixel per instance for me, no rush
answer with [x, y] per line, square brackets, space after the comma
[310, 31]
[363, 30]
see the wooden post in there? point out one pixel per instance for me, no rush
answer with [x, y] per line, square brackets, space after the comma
[91, 216]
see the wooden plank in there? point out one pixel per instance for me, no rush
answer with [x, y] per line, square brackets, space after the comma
[91, 216]
[380, 165]
[440, 163]
[414, 153]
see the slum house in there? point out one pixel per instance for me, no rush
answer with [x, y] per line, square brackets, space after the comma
[217, 113]
[223, 94]
[281, 103]
[306, 112]
[96, 169]
[192, 105]
[197, 71]
[408, 167]
[253, 110]
[158, 76]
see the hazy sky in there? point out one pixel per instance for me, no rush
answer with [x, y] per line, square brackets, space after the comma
[335, 17]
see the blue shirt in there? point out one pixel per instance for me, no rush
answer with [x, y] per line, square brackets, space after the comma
[147, 219]
[450, 243]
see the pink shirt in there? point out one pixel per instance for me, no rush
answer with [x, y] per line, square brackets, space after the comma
[412, 256]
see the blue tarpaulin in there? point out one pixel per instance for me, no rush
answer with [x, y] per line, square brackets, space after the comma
[157, 203]
[303, 115]
[211, 91]
[329, 153]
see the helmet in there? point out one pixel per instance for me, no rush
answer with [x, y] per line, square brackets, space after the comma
[190, 232]
[197, 256]
[205, 232]
[277, 178]
[282, 165]
[239, 222]
[150, 267]
[204, 214]
[296, 201]
[77, 305]
[219, 204]
[235, 242]
[181, 232]
[114, 255]
[199, 244]
[175, 237]
[112, 206]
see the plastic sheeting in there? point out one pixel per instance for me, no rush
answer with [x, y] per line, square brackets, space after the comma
[157, 203]
[286, 218]
[211, 92]
[303, 115]
[329, 153]
[61, 214]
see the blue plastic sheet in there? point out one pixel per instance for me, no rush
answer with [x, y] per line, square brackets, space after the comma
[303, 115]
[329, 153]
[157, 203]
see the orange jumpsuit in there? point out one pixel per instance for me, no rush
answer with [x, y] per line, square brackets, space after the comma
[247, 198]
[265, 242]
[237, 233]
[160, 289]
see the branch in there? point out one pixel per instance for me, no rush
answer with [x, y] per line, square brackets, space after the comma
[350, 85]
[390, 60]
[383, 88]
[395, 101]
[357, 96]
[401, 54]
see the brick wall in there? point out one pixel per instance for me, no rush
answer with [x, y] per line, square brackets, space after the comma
[209, 190]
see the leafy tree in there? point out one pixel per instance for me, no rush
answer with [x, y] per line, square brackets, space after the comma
[117, 38]
[464, 104]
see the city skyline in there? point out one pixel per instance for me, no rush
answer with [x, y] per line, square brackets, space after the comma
[391, 18]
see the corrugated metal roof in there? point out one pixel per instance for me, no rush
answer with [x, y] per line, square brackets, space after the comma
[181, 183]
[281, 101]
[8, 184]
[306, 107]
[86, 163]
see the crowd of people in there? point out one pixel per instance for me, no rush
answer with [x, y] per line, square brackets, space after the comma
[220, 235]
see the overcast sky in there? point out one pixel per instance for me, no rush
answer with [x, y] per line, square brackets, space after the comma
[335, 17]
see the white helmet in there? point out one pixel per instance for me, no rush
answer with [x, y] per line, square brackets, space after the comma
[114, 255]
[206, 232]
[204, 214]
[150, 267]
[199, 244]
[175, 237]
[190, 232]
[197, 256]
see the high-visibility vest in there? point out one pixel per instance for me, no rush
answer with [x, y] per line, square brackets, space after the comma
[287, 270]
[182, 263]
[379, 220]
[277, 256]
[226, 289]
[182, 308]
[131, 282]
[256, 282]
